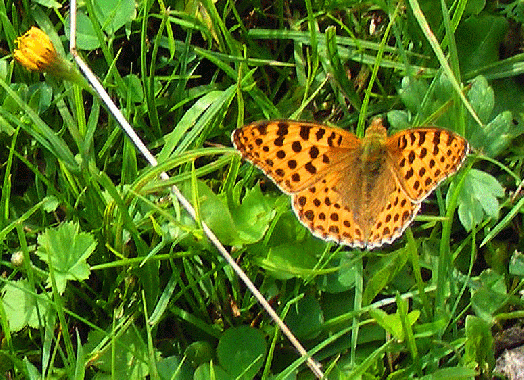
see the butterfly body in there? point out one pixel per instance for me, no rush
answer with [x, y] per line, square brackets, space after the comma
[358, 192]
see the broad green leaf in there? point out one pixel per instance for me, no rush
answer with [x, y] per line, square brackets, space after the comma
[474, 7]
[128, 359]
[32, 371]
[382, 273]
[340, 280]
[241, 351]
[40, 97]
[50, 204]
[213, 211]
[67, 250]
[451, 373]
[392, 323]
[489, 294]
[23, 306]
[289, 260]
[134, 90]
[208, 371]
[199, 352]
[479, 343]
[478, 40]
[86, 38]
[254, 215]
[398, 120]
[412, 92]
[516, 264]
[174, 364]
[496, 135]
[305, 318]
[477, 198]
[482, 98]
[49, 3]
[114, 14]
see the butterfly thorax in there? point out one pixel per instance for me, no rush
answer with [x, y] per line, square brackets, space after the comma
[374, 143]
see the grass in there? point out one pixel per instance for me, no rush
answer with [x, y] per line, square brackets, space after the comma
[105, 274]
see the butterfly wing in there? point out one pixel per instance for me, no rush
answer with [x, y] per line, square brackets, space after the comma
[424, 157]
[295, 155]
[393, 219]
[323, 211]
[320, 167]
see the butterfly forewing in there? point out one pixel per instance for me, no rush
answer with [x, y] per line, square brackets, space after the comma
[424, 157]
[294, 154]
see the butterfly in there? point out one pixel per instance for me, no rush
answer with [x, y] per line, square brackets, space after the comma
[357, 192]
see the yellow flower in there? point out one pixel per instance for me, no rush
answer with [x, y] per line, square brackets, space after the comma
[36, 52]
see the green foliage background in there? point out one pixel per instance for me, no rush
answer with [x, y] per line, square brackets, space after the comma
[105, 275]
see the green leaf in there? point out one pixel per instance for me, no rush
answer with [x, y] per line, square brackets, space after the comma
[128, 359]
[49, 3]
[40, 97]
[86, 38]
[66, 249]
[392, 323]
[455, 373]
[32, 371]
[341, 279]
[241, 351]
[412, 92]
[489, 294]
[209, 371]
[305, 318]
[479, 344]
[497, 133]
[174, 364]
[213, 212]
[134, 90]
[399, 120]
[516, 264]
[50, 204]
[474, 7]
[338, 70]
[114, 14]
[289, 260]
[199, 352]
[477, 198]
[193, 124]
[514, 10]
[482, 99]
[382, 273]
[254, 215]
[478, 40]
[23, 306]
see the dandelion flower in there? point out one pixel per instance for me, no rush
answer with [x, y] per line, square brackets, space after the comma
[36, 52]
